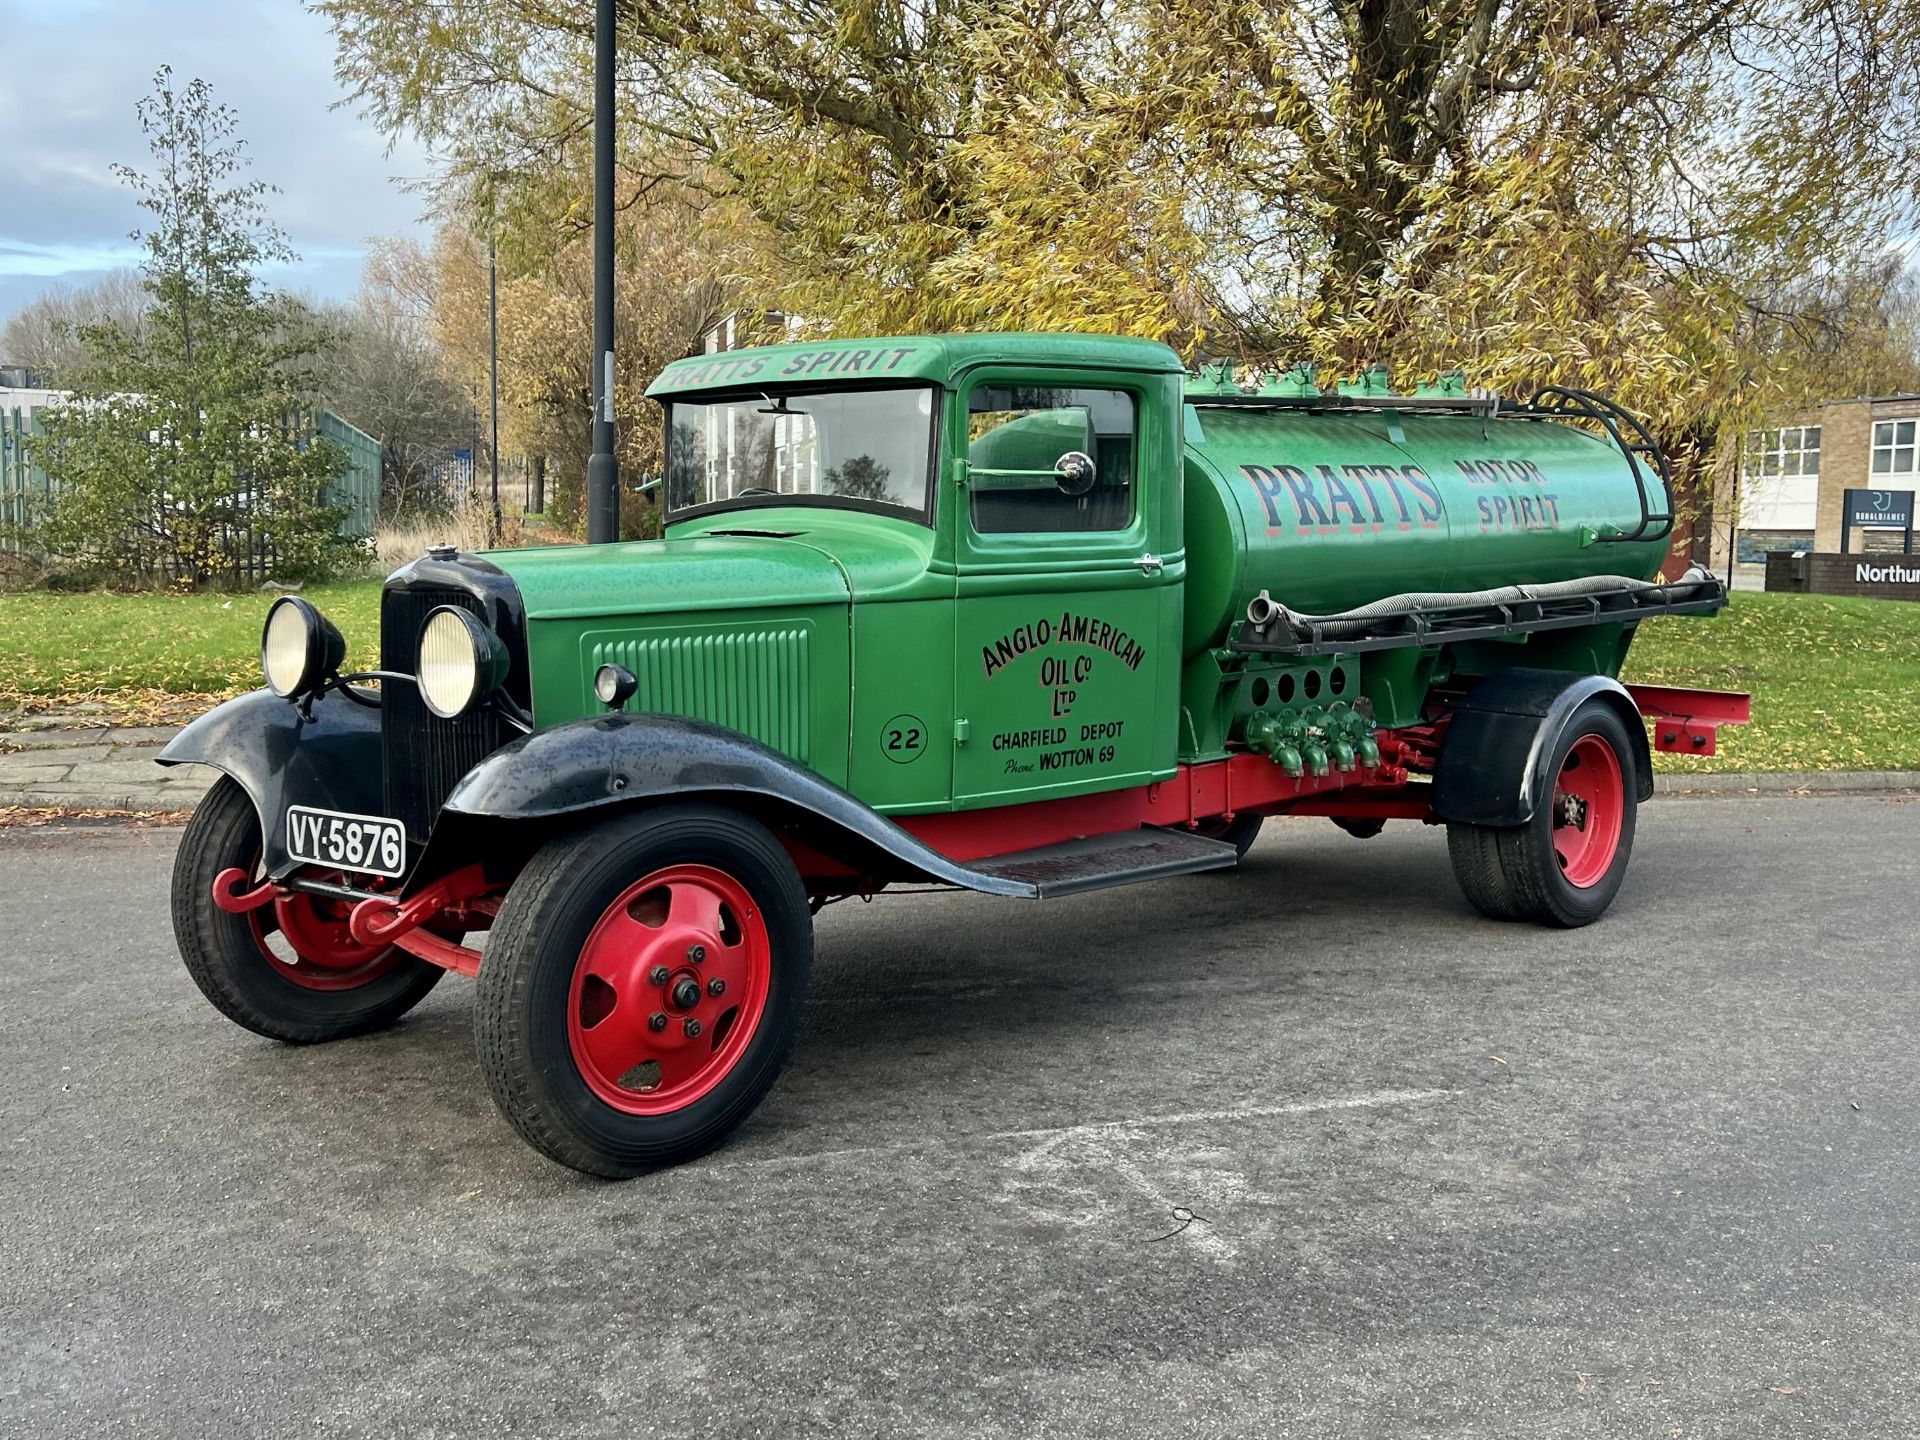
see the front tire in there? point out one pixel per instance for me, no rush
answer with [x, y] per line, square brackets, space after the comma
[288, 970]
[643, 986]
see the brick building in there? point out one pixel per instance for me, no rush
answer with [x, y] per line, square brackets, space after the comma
[1792, 478]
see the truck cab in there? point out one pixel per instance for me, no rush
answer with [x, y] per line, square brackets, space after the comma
[875, 563]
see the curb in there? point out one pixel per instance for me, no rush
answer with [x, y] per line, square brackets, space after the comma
[1789, 782]
[111, 768]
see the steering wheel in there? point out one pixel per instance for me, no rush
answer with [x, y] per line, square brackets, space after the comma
[754, 490]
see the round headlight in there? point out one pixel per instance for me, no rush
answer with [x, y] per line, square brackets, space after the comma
[461, 662]
[298, 647]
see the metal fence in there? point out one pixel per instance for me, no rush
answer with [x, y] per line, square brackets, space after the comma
[24, 486]
[358, 488]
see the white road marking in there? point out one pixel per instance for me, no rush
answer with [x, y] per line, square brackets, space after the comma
[1197, 1232]
[1054, 1135]
[1369, 1101]
[1062, 1177]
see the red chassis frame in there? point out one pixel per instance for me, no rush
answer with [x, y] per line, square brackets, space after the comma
[1685, 722]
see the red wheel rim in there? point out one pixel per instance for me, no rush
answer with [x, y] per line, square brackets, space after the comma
[1589, 803]
[306, 940]
[669, 989]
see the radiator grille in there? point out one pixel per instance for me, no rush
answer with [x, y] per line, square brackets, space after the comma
[425, 756]
[753, 681]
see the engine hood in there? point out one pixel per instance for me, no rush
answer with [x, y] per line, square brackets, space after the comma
[700, 573]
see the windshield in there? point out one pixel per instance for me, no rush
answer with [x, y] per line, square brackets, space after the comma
[857, 445]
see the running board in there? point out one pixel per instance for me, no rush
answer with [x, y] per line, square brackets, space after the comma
[1098, 861]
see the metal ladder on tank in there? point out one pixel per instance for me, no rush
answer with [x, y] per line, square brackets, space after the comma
[1629, 434]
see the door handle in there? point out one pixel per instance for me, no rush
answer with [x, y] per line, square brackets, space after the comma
[1150, 564]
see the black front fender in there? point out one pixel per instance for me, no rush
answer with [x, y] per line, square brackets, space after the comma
[1493, 766]
[571, 771]
[330, 759]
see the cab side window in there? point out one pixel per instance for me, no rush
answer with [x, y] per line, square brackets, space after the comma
[1042, 459]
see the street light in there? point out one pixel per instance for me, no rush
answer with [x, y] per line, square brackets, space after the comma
[493, 373]
[603, 466]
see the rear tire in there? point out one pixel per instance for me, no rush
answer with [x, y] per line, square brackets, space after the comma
[247, 964]
[1475, 852]
[1565, 865]
[597, 1021]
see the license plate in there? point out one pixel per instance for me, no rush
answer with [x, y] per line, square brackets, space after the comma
[372, 844]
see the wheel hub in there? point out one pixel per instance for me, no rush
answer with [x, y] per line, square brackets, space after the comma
[648, 1033]
[1589, 808]
[310, 942]
[1570, 810]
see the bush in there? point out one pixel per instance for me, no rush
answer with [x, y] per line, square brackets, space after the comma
[182, 452]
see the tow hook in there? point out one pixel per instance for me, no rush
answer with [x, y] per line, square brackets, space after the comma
[230, 897]
[382, 920]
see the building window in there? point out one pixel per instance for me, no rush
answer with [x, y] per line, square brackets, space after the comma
[1792, 451]
[1893, 447]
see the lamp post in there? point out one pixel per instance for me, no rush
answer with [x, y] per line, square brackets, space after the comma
[603, 466]
[493, 376]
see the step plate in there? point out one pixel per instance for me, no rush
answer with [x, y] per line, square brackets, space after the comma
[1102, 860]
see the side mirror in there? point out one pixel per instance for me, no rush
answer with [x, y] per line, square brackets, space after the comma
[1075, 473]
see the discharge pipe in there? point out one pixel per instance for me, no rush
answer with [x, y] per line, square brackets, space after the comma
[1263, 609]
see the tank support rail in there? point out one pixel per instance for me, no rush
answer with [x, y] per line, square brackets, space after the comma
[1700, 594]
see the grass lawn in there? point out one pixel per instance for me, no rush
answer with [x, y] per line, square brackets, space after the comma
[154, 657]
[1836, 682]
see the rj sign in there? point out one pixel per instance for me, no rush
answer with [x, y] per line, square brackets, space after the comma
[1880, 509]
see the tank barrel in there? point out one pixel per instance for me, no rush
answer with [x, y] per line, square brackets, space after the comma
[1319, 505]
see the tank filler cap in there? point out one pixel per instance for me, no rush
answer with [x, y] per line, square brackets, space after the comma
[442, 551]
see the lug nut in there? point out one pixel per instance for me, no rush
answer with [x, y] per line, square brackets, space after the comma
[656, 1021]
[696, 953]
[692, 1027]
[657, 975]
[716, 987]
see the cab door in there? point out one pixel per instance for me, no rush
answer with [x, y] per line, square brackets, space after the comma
[1068, 618]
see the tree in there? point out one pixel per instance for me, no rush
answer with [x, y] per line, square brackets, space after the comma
[669, 287]
[387, 373]
[44, 333]
[1619, 195]
[180, 450]
[860, 478]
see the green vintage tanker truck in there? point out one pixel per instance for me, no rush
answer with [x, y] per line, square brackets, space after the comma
[1020, 614]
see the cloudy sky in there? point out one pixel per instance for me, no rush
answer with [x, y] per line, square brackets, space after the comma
[70, 72]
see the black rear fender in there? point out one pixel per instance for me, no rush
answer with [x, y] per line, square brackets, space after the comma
[1494, 763]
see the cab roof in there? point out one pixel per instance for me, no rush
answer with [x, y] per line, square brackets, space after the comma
[938, 358]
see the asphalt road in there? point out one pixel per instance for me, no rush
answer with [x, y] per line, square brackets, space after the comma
[1659, 1178]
